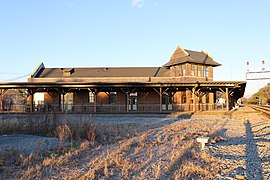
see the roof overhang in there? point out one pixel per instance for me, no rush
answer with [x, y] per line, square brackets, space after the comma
[235, 87]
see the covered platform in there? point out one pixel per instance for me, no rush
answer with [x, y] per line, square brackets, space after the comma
[161, 87]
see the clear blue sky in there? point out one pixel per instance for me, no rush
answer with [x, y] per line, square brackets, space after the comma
[98, 33]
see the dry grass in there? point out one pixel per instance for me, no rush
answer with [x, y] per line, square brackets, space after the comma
[196, 165]
[162, 153]
[91, 134]
[38, 165]
[64, 133]
[169, 152]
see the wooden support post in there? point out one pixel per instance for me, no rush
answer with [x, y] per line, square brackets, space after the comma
[95, 101]
[212, 100]
[200, 94]
[31, 102]
[127, 96]
[227, 100]
[95, 93]
[1, 99]
[31, 93]
[194, 99]
[62, 93]
[160, 99]
[63, 102]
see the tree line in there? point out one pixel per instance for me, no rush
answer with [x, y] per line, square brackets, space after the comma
[262, 97]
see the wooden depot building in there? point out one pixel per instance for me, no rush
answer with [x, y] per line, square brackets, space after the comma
[184, 83]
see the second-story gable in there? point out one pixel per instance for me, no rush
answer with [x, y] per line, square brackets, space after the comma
[191, 65]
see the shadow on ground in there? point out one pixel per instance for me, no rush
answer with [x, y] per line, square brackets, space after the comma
[253, 161]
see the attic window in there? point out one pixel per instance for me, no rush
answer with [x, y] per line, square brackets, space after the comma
[67, 72]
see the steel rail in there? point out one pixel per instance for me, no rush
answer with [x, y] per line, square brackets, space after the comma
[264, 109]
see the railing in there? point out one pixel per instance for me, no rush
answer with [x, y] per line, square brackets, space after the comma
[111, 108]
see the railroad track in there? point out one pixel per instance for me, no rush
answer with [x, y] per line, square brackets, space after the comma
[264, 109]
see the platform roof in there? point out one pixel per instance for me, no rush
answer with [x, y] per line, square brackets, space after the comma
[236, 87]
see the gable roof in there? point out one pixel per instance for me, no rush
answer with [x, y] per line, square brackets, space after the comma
[181, 56]
[104, 72]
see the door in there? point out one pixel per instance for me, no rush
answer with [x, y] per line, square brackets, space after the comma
[166, 102]
[133, 99]
[68, 101]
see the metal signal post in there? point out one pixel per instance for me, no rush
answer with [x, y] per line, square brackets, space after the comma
[260, 74]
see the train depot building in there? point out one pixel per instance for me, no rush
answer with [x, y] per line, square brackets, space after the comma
[184, 83]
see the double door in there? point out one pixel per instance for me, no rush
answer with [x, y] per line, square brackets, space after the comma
[167, 102]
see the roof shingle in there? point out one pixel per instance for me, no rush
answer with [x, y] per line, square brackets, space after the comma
[106, 72]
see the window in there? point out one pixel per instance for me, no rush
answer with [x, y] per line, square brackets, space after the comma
[206, 71]
[200, 70]
[166, 98]
[180, 71]
[192, 70]
[91, 97]
[184, 69]
[133, 94]
[112, 97]
[39, 98]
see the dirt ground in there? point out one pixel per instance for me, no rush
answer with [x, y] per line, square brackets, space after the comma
[239, 147]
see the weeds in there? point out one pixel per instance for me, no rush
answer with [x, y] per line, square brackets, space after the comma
[91, 134]
[106, 170]
[165, 153]
[64, 133]
[2, 162]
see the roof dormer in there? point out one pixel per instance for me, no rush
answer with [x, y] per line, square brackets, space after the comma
[67, 71]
